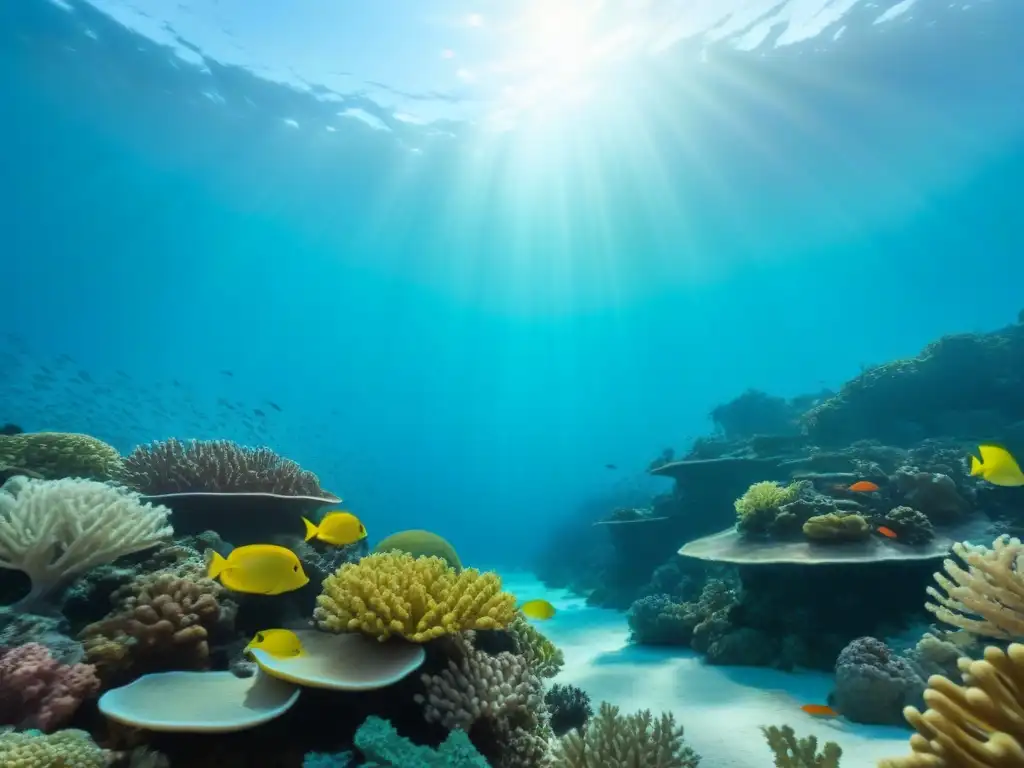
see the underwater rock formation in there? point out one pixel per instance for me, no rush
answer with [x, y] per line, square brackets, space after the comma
[873, 684]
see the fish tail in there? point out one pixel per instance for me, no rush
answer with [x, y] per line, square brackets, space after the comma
[215, 564]
[976, 466]
[311, 530]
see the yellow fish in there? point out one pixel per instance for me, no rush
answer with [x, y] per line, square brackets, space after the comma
[279, 643]
[337, 528]
[997, 466]
[538, 609]
[260, 569]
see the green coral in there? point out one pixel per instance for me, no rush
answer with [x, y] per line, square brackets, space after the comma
[32, 749]
[543, 657]
[55, 455]
[760, 507]
[382, 747]
[835, 528]
[611, 740]
[791, 752]
[421, 544]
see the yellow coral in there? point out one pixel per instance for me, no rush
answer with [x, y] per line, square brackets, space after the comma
[63, 749]
[979, 724]
[418, 598]
[833, 528]
[764, 496]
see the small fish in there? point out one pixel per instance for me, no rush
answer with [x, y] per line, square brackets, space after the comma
[997, 466]
[259, 569]
[273, 405]
[863, 486]
[258, 412]
[226, 372]
[889, 533]
[538, 609]
[279, 643]
[610, 466]
[819, 710]
[337, 528]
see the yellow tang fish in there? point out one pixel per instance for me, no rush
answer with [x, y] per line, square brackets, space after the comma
[337, 528]
[279, 643]
[260, 569]
[538, 609]
[997, 466]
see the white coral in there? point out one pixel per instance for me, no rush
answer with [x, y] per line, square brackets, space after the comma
[54, 530]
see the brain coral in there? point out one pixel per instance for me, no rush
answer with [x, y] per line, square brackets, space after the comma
[418, 598]
[421, 544]
[54, 455]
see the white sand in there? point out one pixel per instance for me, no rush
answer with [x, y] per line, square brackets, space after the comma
[721, 708]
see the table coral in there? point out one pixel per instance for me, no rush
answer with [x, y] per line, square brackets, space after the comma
[37, 691]
[162, 621]
[418, 598]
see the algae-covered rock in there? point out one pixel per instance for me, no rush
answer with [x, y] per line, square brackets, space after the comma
[55, 455]
[834, 528]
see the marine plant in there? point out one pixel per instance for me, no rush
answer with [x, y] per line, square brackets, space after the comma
[220, 466]
[418, 598]
[54, 455]
[836, 528]
[638, 741]
[791, 752]
[54, 530]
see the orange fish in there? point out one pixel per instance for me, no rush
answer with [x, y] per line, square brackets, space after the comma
[863, 486]
[819, 710]
[889, 533]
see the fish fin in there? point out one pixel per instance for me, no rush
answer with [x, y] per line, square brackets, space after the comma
[311, 530]
[215, 563]
[976, 466]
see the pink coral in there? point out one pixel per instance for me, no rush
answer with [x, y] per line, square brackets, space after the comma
[37, 691]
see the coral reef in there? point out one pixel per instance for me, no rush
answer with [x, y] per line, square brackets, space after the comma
[873, 684]
[568, 708]
[791, 752]
[54, 530]
[759, 507]
[910, 526]
[221, 466]
[56, 455]
[382, 747]
[421, 544]
[755, 412]
[979, 723]
[539, 653]
[611, 740]
[987, 598]
[162, 621]
[64, 749]
[37, 691]
[834, 527]
[418, 598]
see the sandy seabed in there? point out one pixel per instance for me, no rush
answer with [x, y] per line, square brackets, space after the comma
[721, 708]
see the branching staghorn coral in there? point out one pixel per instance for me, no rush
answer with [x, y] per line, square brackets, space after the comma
[539, 653]
[418, 598]
[632, 741]
[791, 752]
[987, 598]
[54, 530]
[979, 724]
[170, 466]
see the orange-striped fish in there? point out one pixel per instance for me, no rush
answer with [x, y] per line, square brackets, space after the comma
[819, 710]
[889, 533]
[863, 486]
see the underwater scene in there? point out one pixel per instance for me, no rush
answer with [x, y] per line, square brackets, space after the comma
[525, 384]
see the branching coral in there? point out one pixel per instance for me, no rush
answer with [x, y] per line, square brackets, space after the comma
[873, 684]
[632, 741]
[37, 691]
[990, 588]
[758, 508]
[539, 653]
[835, 528]
[979, 724]
[56, 529]
[162, 621]
[65, 749]
[54, 455]
[791, 752]
[418, 598]
[568, 707]
[170, 466]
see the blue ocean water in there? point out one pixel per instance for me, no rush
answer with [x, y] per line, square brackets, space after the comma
[473, 255]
